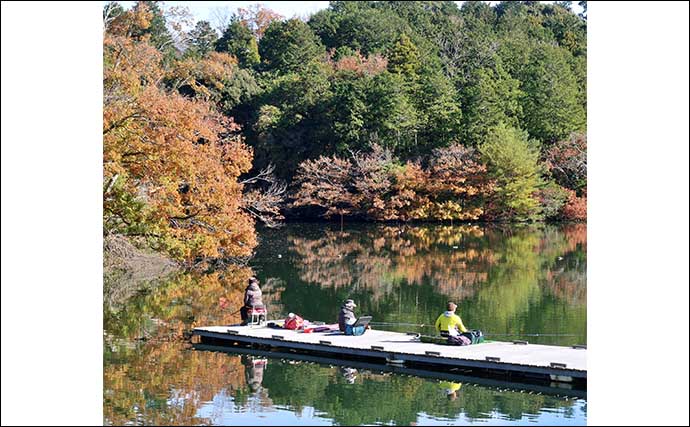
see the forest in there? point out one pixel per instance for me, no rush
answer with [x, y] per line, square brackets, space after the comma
[375, 110]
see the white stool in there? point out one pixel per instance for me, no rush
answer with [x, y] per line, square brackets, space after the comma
[257, 316]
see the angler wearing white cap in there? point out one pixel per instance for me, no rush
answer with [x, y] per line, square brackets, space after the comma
[347, 321]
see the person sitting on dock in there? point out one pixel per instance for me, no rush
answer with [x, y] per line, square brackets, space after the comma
[449, 323]
[347, 319]
[252, 300]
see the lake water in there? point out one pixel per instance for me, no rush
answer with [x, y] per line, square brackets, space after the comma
[518, 280]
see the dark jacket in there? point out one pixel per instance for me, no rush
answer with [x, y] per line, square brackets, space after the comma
[252, 296]
[345, 315]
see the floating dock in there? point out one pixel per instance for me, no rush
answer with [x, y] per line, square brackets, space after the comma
[515, 360]
[552, 388]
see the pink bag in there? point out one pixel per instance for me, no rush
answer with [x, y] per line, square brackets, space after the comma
[293, 322]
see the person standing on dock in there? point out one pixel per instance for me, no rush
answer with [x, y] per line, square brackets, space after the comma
[449, 323]
[347, 319]
[252, 299]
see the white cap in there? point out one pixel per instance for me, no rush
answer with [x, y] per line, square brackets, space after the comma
[291, 315]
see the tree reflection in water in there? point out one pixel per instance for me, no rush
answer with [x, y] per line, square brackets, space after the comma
[501, 277]
[505, 280]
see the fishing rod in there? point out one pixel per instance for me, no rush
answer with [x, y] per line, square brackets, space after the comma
[485, 334]
[529, 335]
[396, 324]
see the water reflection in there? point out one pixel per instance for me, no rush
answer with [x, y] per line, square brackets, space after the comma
[505, 280]
[530, 279]
[172, 385]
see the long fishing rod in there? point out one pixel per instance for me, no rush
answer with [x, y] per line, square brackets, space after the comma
[530, 335]
[486, 334]
[396, 324]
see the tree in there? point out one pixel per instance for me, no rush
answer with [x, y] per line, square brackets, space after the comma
[391, 118]
[202, 38]
[427, 18]
[403, 58]
[371, 180]
[157, 30]
[491, 96]
[552, 197]
[456, 186]
[375, 185]
[170, 163]
[567, 162]
[512, 160]
[575, 209]
[238, 40]
[215, 78]
[324, 182]
[468, 42]
[111, 11]
[437, 103]
[568, 29]
[550, 104]
[221, 17]
[361, 26]
[292, 122]
[289, 46]
[257, 18]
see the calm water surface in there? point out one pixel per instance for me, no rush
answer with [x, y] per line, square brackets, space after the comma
[506, 280]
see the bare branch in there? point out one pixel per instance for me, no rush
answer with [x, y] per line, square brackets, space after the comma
[266, 174]
[264, 203]
[220, 17]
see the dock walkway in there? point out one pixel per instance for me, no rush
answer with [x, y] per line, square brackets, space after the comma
[554, 362]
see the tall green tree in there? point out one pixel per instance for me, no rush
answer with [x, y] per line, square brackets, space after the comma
[289, 46]
[362, 26]
[438, 107]
[428, 18]
[239, 41]
[551, 101]
[202, 38]
[567, 28]
[391, 118]
[513, 161]
[294, 119]
[490, 96]
[403, 57]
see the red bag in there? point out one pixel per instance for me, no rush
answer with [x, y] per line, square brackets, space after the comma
[294, 322]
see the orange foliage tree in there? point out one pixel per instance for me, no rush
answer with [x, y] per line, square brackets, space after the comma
[575, 208]
[456, 184]
[171, 164]
[377, 186]
[362, 65]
